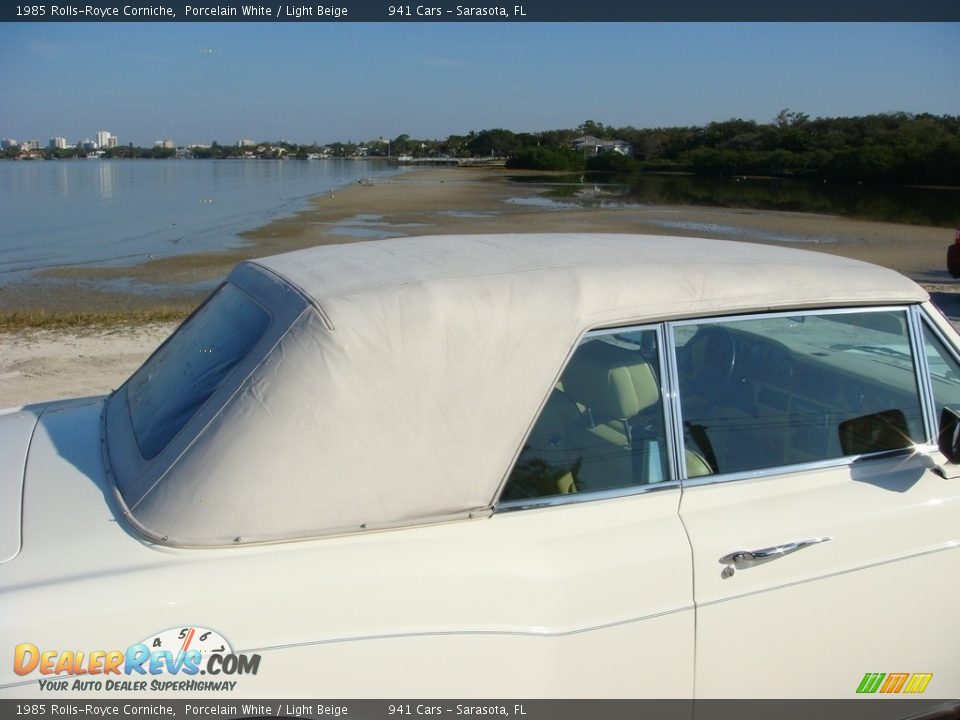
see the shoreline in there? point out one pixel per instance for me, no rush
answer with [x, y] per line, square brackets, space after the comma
[64, 337]
[451, 201]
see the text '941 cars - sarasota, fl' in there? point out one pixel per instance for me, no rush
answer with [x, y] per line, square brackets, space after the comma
[503, 466]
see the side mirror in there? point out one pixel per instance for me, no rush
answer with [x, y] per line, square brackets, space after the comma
[949, 438]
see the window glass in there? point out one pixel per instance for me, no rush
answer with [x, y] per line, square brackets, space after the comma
[602, 427]
[172, 385]
[771, 391]
[944, 372]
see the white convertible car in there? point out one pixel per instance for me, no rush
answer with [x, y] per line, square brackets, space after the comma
[503, 466]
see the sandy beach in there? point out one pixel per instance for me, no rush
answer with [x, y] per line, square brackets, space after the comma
[48, 364]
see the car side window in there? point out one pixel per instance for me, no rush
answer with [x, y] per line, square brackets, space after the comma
[770, 391]
[944, 372]
[602, 427]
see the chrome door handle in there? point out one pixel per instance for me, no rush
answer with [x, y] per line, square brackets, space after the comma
[749, 558]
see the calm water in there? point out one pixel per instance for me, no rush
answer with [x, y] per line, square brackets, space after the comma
[909, 205]
[122, 212]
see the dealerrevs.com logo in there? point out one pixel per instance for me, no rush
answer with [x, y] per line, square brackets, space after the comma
[173, 660]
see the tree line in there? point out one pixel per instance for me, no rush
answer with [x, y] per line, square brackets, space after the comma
[892, 148]
[896, 148]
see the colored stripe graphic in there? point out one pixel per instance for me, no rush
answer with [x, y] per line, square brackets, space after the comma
[870, 682]
[918, 683]
[894, 683]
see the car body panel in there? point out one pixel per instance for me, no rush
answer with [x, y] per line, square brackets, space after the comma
[882, 576]
[526, 590]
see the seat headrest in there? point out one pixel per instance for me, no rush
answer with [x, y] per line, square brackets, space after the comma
[612, 382]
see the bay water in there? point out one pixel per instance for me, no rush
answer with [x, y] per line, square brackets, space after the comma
[124, 212]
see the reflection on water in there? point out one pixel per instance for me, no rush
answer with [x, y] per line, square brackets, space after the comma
[106, 180]
[939, 207]
[544, 203]
[63, 180]
[370, 227]
[733, 231]
[468, 214]
[120, 212]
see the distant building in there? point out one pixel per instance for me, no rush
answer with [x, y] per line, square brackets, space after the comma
[166, 144]
[31, 145]
[246, 143]
[86, 144]
[8, 144]
[590, 145]
[57, 143]
[105, 139]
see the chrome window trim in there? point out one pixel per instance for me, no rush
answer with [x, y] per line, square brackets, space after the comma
[676, 460]
[809, 312]
[922, 367]
[575, 498]
[675, 427]
[845, 461]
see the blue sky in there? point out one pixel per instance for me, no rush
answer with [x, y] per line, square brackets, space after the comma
[198, 82]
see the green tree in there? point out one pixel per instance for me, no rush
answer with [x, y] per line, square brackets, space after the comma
[547, 158]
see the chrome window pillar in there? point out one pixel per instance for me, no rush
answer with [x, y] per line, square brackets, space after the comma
[671, 397]
[922, 369]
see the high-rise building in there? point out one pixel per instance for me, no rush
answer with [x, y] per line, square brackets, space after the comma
[31, 145]
[57, 143]
[106, 140]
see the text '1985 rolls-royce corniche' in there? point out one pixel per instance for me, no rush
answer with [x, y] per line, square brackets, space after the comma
[503, 466]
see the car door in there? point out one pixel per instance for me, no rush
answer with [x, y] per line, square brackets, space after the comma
[824, 539]
[598, 557]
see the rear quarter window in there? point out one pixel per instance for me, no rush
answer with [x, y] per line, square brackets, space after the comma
[182, 375]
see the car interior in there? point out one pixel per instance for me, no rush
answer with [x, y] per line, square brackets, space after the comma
[754, 394]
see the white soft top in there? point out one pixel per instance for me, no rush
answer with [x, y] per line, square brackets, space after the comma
[673, 272]
[404, 389]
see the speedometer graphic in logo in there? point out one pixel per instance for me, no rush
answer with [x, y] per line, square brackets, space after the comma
[185, 639]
